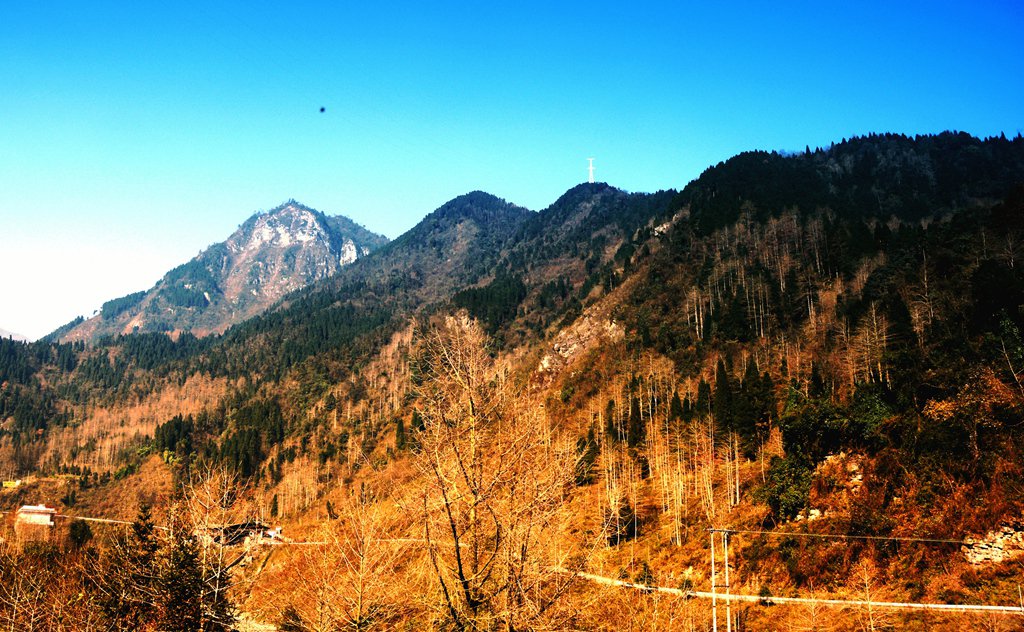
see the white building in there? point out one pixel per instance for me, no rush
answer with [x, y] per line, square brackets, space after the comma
[36, 515]
[34, 522]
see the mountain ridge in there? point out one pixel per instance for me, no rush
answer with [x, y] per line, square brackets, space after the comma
[271, 254]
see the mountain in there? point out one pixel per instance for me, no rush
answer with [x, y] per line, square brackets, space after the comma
[339, 319]
[270, 255]
[824, 343]
[13, 336]
[453, 246]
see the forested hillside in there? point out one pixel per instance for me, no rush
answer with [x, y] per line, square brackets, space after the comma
[500, 404]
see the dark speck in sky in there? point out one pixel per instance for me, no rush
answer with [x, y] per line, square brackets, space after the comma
[322, 109]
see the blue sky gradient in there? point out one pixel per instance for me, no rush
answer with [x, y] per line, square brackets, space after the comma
[134, 135]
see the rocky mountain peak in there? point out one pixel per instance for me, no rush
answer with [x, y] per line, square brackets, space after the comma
[282, 227]
[271, 254]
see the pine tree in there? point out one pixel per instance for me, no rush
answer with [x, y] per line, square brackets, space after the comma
[636, 431]
[417, 425]
[180, 586]
[587, 450]
[703, 405]
[675, 408]
[746, 410]
[723, 403]
[816, 386]
[401, 440]
[291, 620]
[79, 533]
[127, 576]
[611, 427]
[765, 407]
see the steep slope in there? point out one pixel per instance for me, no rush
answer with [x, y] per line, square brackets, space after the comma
[270, 255]
[556, 260]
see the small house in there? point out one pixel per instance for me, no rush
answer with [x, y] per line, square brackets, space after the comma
[34, 522]
[40, 515]
[232, 534]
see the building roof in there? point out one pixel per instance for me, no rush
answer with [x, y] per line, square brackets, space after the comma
[37, 509]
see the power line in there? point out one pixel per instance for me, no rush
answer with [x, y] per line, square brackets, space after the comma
[103, 520]
[836, 536]
[769, 600]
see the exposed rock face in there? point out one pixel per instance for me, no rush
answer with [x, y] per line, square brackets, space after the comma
[810, 515]
[577, 338]
[997, 546]
[848, 468]
[270, 255]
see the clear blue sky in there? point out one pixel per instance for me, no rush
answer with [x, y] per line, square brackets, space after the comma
[133, 135]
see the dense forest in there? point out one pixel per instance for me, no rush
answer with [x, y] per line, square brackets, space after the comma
[824, 342]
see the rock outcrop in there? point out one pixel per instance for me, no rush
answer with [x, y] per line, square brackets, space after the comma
[1007, 543]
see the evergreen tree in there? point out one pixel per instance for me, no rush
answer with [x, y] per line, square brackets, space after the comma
[645, 576]
[746, 409]
[79, 533]
[766, 408]
[620, 523]
[687, 409]
[180, 586]
[611, 427]
[703, 405]
[816, 385]
[636, 431]
[675, 408]
[291, 620]
[724, 402]
[127, 576]
[587, 451]
[401, 440]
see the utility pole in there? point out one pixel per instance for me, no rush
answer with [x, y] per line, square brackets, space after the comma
[714, 591]
[728, 602]
[714, 581]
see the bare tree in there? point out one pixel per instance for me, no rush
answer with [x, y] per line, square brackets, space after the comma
[45, 588]
[347, 580]
[214, 497]
[22, 594]
[495, 479]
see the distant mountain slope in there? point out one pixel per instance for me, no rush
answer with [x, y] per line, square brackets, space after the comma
[270, 255]
[455, 246]
[13, 336]
[880, 175]
[505, 264]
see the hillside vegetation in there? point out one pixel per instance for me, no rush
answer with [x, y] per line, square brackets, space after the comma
[478, 417]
